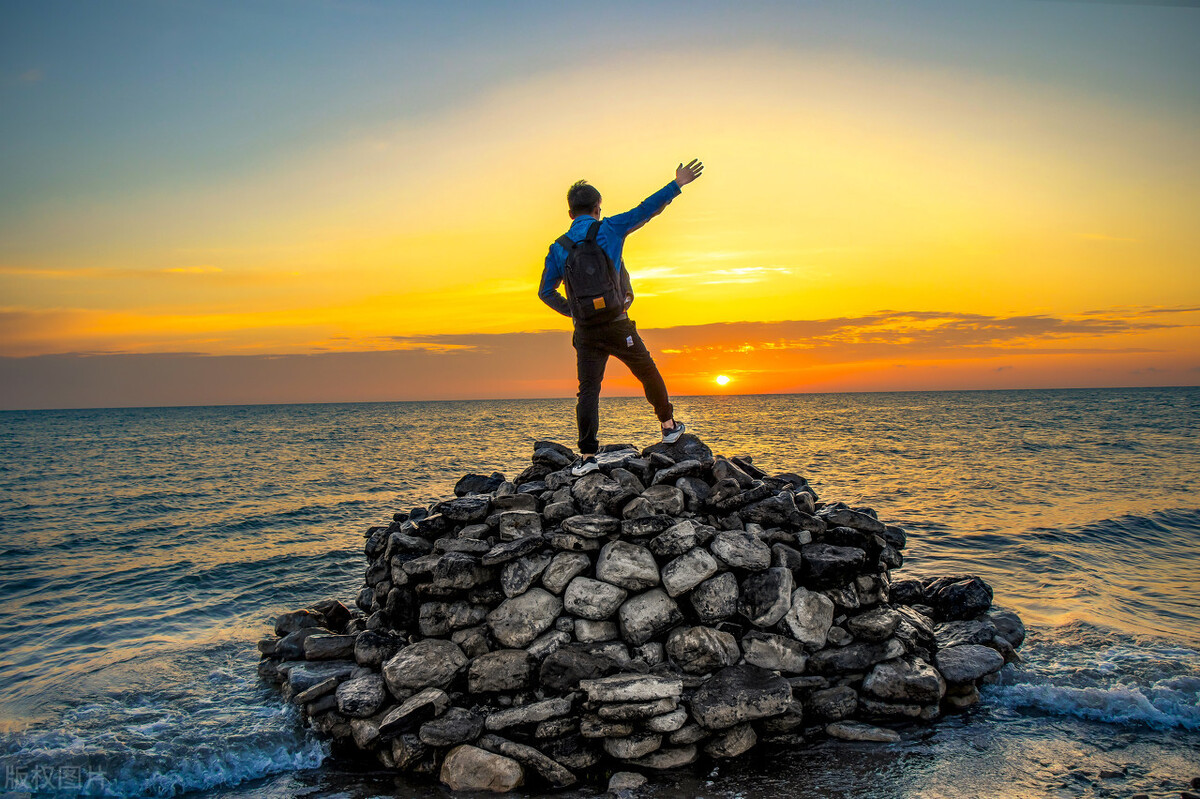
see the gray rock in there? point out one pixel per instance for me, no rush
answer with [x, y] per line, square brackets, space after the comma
[959, 597]
[958, 633]
[688, 734]
[593, 599]
[668, 722]
[531, 713]
[624, 782]
[695, 492]
[774, 652]
[566, 542]
[741, 550]
[648, 615]
[809, 618]
[548, 643]
[518, 575]
[511, 550]
[431, 662]
[597, 490]
[684, 468]
[637, 508]
[414, 711]
[627, 565]
[502, 670]
[469, 768]
[592, 525]
[857, 731]
[905, 680]
[676, 540]
[516, 524]
[647, 526]
[833, 704]
[563, 568]
[550, 770]
[787, 557]
[291, 646]
[361, 697]
[688, 570]
[639, 744]
[558, 512]
[329, 647]
[563, 669]
[456, 726]
[738, 694]
[855, 657]
[968, 663]
[588, 631]
[687, 447]
[1008, 626]
[699, 650]
[298, 620]
[518, 621]
[631, 688]
[732, 742]
[467, 509]
[302, 676]
[844, 517]
[766, 597]
[666, 758]
[323, 688]
[637, 711]
[716, 598]
[665, 499]
[874, 625]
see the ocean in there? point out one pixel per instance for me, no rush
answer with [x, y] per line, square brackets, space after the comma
[145, 551]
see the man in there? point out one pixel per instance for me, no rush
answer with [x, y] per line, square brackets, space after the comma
[618, 336]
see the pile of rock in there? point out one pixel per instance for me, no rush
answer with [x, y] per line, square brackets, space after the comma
[671, 606]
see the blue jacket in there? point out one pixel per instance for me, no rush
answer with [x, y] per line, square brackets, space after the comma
[611, 238]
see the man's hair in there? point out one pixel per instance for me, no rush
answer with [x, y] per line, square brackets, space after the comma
[582, 197]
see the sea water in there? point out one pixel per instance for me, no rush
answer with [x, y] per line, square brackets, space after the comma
[143, 552]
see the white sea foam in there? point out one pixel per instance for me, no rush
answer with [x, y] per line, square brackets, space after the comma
[1168, 704]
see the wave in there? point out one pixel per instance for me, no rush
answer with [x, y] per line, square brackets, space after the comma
[1161, 706]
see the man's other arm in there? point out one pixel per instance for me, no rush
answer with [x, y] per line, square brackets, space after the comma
[552, 275]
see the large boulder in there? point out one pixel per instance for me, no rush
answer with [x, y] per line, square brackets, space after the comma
[469, 768]
[431, 662]
[740, 693]
[521, 619]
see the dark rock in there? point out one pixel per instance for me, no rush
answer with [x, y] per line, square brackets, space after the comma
[550, 770]
[968, 663]
[592, 525]
[646, 526]
[957, 633]
[531, 713]
[467, 510]
[291, 646]
[593, 599]
[552, 458]
[844, 517]
[478, 484]
[688, 447]
[716, 598]
[738, 694]
[457, 725]
[832, 704]
[732, 742]
[675, 541]
[826, 566]
[287, 623]
[724, 469]
[597, 490]
[664, 499]
[518, 524]
[511, 550]
[519, 575]
[855, 657]
[857, 731]
[328, 647]
[563, 568]
[635, 745]
[959, 597]
[502, 670]
[459, 571]
[908, 592]
[361, 697]
[682, 468]
[905, 680]
[563, 670]
[874, 625]
[514, 502]
[627, 565]
[774, 511]
[773, 652]
[787, 557]
[414, 711]
[372, 648]
[687, 571]
[1008, 626]
[695, 492]
[766, 597]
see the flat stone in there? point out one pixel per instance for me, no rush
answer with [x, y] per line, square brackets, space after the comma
[666, 758]
[774, 652]
[515, 524]
[550, 770]
[646, 526]
[414, 711]
[699, 650]
[457, 725]
[372, 648]
[809, 618]
[857, 731]
[531, 713]
[593, 599]
[563, 670]
[738, 694]
[668, 722]
[665, 499]
[735, 741]
[592, 525]
[631, 688]
[688, 734]
[766, 597]
[597, 490]
[361, 697]
[627, 565]
[588, 631]
[639, 744]
[329, 647]
[676, 540]
[469, 768]
[548, 643]
[502, 670]
[716, 598]
[519, 620]
[968, 663]
[854, 657]
[302, 676]
[648, 615]
[827, 566]
[563, 568]
[625, 782]
[467, 509]
[741, 550]
[874, 625]
[905, 680]
[511, 550]
[844, 517]
[833, 704]
[637, 711]
[430, 662]
[688, 570]
[956, 633]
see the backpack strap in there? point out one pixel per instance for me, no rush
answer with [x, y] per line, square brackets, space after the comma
[566, 242]
[593, 229]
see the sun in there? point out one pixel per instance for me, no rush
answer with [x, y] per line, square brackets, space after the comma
[722, 380]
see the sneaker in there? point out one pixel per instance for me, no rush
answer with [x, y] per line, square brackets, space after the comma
[671, 436]
[588, 464]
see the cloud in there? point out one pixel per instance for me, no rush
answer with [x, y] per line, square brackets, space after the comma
[192, 270]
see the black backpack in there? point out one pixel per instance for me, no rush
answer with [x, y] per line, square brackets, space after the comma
[593, 292]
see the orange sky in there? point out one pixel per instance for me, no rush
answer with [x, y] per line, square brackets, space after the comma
[934, 212]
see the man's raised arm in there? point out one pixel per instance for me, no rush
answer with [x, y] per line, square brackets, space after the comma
[653, 205]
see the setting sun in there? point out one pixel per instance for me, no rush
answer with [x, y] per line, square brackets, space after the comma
[722, 380]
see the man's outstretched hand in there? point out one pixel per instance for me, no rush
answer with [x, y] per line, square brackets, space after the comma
[686, 173]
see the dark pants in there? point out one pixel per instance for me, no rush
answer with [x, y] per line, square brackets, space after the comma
[593, 345]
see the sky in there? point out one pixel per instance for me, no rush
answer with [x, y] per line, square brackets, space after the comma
[303, 201]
